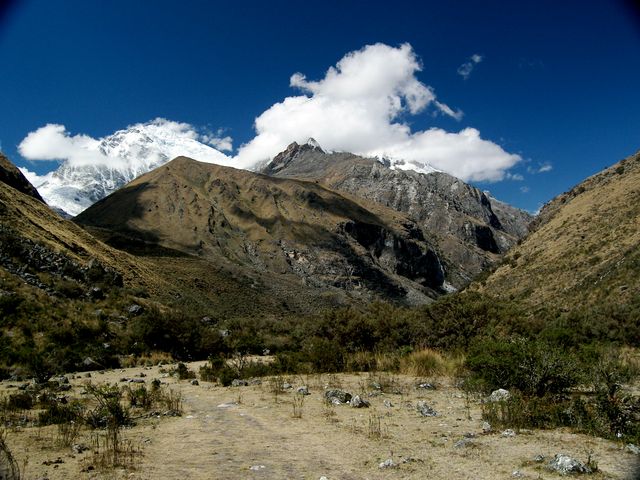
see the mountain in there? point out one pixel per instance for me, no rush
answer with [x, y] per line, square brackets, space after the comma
[471, 229]
[10, 175]
[295, 240]
[584, 249]
[127, 154]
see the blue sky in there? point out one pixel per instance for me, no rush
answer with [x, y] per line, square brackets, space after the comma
[557, 83]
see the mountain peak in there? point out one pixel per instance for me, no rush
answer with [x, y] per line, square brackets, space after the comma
[314, 144]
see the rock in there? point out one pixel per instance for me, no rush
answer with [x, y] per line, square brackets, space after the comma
[257, 467]
[564, 464]
[508, 433]
[499, 395]
[238, 382]
[336, 394]
[469, 435]
[388, 463]
[287, 386]
[61, 379]
[357, 402]
[195, 382]
[463, 443]
[486, 428]
[302, 390]
[631, 448]
[426, 386]
[517, 474]
[135, 309]
[387, 404]
[136, 380]
[79, 448]
[425, 410]
[376, 386]
[90, 362]
[539, 458]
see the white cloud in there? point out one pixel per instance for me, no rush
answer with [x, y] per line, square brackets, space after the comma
[360, 105]
[53, 142]
[540, 168]
[467, 67]
[218, 140]
[525, 189]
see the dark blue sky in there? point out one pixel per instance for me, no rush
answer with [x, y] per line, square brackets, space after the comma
[558, 83]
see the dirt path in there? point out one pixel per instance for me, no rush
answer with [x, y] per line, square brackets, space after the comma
[248, 433]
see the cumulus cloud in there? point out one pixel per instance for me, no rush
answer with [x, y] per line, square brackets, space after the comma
[53, 142]
[362, 105]
[467, 67]
[359, 107]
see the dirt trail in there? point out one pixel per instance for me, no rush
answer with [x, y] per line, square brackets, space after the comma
[248, 433]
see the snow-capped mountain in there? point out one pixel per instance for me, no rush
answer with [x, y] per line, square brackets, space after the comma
[122, 156]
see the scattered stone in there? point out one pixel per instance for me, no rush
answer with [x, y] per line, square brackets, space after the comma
[302, 390]
[539, 458]
[463, 443]
[425, 410]
[62, 380]
[135, 309]
[136, 380]
[79, 448]
[387, 404]
[195, 382]
[257, 467]
[388, 463]
[564, 464]
[287, 386]
[255, 381]
[469, 435]
[426, 386]
[517, 474]
[357, 402]
[336, 394]
[508, 433]
[238, 382]
[375, 386]
[486, 428]
[499, 395]
[631, 448]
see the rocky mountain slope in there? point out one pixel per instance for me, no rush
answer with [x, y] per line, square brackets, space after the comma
[469, 227]
[585, 246]
[11, 176]
[290, 229]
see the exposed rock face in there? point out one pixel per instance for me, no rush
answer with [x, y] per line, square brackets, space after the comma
[13, 177]
[277, 226]
[461, 218]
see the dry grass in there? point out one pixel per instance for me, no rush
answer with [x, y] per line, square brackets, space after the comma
[430, 363]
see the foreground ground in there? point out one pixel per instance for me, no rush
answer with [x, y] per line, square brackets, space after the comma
[251, 432]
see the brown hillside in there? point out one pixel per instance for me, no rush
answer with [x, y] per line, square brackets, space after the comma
[288, 230]
[585, 249]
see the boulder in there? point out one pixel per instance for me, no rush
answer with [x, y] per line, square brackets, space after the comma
[238, 382]
[499, 395]
[425, 410]
[302, 390]
[357, 402]
[334, 394]
[564, 465]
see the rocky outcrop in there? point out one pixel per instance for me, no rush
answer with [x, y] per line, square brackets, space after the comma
[460, 218]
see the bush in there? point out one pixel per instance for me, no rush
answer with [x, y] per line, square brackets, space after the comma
[532, 366]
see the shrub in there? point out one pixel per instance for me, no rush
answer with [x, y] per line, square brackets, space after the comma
[532, 366]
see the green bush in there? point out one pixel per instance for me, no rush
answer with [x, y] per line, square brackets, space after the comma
[534, 367]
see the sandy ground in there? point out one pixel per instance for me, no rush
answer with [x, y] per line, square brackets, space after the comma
[250, 433]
